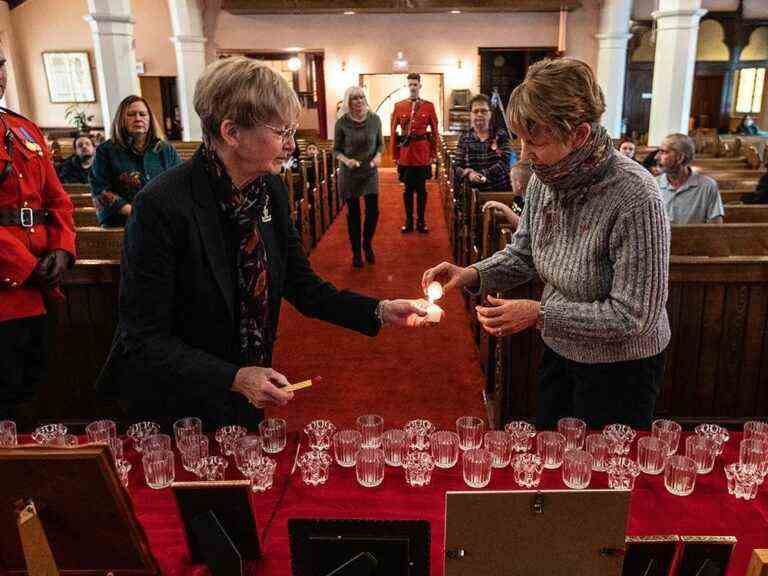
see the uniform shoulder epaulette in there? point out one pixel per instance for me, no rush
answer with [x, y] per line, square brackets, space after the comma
[12, 113]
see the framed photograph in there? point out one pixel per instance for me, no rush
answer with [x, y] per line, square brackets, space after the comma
[69, 77]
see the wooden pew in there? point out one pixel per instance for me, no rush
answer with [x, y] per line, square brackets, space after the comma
[81, 200]
[77, 189]
[95, 243]
[718, 356]
[749, 213]
[85, 217]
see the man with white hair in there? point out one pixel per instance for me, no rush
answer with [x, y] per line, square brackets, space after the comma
[689, 197]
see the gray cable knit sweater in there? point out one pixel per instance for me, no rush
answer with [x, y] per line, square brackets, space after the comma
[602, 250]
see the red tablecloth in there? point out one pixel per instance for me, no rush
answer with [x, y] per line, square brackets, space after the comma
[710, 510]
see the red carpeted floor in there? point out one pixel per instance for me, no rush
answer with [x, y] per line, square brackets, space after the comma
[402, 373]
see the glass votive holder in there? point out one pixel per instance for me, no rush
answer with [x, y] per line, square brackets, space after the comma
[263, 474]
[8, 435]
[521, 435]
[669, 431]
[577, 469]
[418, 432]
[247, 454]
[574, 430]
[497, 442]
[320, 434]
[622, 472]
[755, 428]
[159, 469]
[418, 468]
[716, 433]
[371, 426]
[50, 434]
[156, 442]
[600, 449]
[741, 482]
[753, 456]
[101, 431]
[346, 445]
[370, 467]
[273, 435]
[444, 446]
[477, 465]
[652, 454]
[137, 432]
[680, 475]
[211, 467]
[188, 426]
[620, 437]
[123, 471]
[314, 467]
[527, 469]
[395, 444]
[69, 440]
[192, 449]
[703, 451]
[551, 447]
[470, 430]
[226, 436]
[116, 448]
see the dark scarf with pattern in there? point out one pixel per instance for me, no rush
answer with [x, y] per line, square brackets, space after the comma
[243, 207]
[581, 167]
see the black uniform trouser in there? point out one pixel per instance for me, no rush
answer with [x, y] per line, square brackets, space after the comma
[23, 363]
[415, 180]
[599, 394]
[354, 217]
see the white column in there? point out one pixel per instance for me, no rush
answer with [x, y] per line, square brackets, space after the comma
[111, 24]
[612, 60]
[15, 95]
[677, 25]
[188, 38]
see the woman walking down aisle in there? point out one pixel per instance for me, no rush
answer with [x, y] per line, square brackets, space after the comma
[358, 145]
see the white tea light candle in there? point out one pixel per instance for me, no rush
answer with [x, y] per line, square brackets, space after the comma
[434, 291]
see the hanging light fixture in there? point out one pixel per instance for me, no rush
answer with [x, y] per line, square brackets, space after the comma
[294, 64]
[400, 63]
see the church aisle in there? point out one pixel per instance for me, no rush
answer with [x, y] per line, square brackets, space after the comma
[401, 374]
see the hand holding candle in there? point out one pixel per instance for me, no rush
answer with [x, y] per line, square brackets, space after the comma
[434, 312]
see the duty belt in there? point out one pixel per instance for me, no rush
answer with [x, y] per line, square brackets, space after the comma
[24, 217]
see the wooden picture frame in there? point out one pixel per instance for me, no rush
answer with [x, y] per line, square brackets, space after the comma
[69, 78]
[86, 514]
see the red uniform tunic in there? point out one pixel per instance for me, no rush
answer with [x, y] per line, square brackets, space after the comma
[32, 183]
[423, 148]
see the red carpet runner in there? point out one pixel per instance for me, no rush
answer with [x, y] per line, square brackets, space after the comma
[402, 373]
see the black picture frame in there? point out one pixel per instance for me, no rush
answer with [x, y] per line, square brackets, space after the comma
[705, 555]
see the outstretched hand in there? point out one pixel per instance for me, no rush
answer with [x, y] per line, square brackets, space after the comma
[450, 276]
[410, 313]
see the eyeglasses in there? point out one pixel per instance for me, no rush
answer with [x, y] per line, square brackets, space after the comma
[284, 133]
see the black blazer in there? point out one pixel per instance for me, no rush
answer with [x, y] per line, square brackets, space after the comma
[176, 349]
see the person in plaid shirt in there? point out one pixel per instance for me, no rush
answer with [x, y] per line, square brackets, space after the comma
[483, 154]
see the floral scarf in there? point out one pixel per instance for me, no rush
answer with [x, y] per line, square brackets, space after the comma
[243, 207]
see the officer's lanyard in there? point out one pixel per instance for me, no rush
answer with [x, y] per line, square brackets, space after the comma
[9, 150]
[414, 107]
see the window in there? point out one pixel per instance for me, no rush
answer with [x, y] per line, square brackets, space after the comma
[749, 95]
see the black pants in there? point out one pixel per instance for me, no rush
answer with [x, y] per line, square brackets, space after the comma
[599, 394]
[23, 364]
[415, 180]
[353, 221]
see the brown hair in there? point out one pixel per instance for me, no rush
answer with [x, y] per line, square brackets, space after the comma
[522, 173]
[414, 76]
[557, 95]
[479, 98]
[120, 135]
[244, 91]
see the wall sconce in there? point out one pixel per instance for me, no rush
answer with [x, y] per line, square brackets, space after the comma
[460, 64]
[294, 64]
[343, 65]
[400, 62]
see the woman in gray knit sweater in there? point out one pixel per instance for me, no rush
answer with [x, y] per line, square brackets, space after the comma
[594, 231]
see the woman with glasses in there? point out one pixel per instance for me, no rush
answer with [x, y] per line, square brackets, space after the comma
[135, 154]
[358, 145]
[210, 252]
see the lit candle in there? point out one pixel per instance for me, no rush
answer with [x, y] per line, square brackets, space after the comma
[434, 313]
[434, 291]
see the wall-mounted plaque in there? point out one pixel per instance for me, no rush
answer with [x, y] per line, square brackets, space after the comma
[69, 77]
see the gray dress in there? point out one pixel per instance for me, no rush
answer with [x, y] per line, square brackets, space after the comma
[361, 141]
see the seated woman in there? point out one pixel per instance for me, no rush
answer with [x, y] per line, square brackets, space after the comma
[483, 154]
[595, 232]
[628, 148]
[760, 195]
[519, 176]
[136, 153]
[747, 127]
[210, 253]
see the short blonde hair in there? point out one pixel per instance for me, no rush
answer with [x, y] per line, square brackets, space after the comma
[557, 95]
[244, 91]
[348, 94]
[683, 145]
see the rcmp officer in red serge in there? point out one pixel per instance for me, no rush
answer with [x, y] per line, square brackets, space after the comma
[414, 149]
[37, 244]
